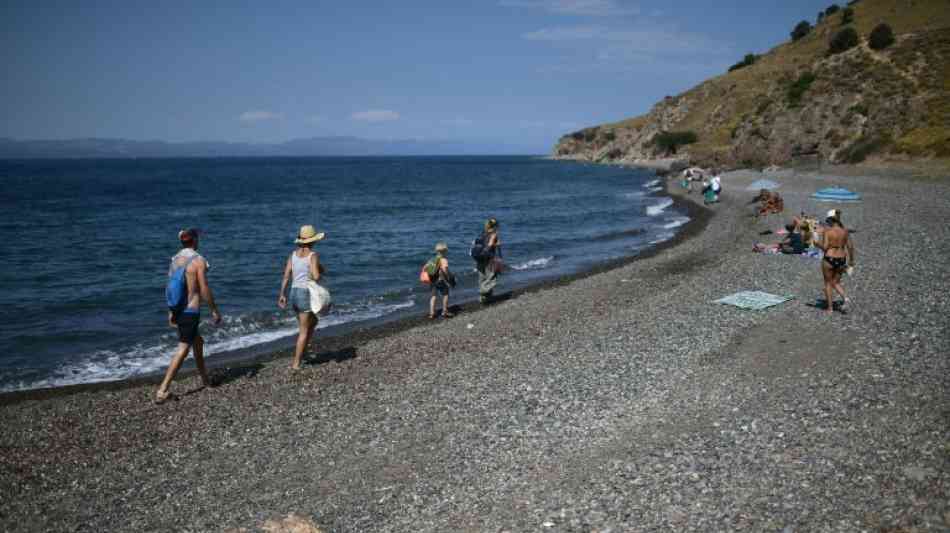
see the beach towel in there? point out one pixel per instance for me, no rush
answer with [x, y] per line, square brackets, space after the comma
[754, 300]
[758, 185]
[836, 194]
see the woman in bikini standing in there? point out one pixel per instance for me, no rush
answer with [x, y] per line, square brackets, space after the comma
[838, 252]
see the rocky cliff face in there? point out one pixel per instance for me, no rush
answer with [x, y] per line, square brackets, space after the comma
[798, 100]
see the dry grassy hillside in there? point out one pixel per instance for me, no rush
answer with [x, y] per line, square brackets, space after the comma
[798, 99]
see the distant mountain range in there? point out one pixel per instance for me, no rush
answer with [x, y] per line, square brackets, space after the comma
[316, 146]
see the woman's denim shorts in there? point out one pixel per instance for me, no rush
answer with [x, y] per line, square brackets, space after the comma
[300, 300]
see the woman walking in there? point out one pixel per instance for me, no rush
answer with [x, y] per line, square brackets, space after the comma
[838, 252]
[488, 265]
[302, 266]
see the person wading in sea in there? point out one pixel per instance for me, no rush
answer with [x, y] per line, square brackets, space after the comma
[839, 251]
[304, 265]
[188, 319]
[489, 265]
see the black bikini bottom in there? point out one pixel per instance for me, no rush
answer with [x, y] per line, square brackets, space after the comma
[837, 263]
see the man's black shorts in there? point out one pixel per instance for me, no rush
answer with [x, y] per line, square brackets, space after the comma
[187, 327]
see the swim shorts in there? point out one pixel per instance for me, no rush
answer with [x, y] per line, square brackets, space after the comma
[188, 327]
[441, 287]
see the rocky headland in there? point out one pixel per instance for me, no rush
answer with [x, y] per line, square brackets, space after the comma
[840, 91]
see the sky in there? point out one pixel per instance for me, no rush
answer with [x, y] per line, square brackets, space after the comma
[521, 72]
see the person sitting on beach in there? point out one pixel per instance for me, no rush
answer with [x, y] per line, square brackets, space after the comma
[805, 226]
[489, 265]
[838, 252]
[302, 265]
[791, 244]
[188, 319]
[441, 282]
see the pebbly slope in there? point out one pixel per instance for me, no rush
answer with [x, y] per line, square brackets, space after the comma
[625, 401]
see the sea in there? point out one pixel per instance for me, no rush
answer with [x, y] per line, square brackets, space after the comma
[85, 244]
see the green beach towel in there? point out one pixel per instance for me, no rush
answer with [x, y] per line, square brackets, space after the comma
[754, 300]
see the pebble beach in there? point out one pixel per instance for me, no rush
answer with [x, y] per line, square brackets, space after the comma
[624, 400]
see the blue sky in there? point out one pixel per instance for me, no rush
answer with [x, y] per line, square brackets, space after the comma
[522, 72]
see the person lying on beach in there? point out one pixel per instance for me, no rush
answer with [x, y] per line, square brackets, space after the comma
[839, 251]
[187, 318]
[302, 265]
[441, 282]
[770, 202]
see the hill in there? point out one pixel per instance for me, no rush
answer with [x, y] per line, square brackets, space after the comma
[799, 99]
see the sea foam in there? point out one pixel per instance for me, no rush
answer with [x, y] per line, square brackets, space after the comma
[238, 333]
[659, 207]
[676, 222]
[534, 264]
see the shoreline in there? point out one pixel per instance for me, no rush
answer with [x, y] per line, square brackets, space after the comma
[346, 336]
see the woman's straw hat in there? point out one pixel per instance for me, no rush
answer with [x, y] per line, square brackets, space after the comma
[441, 247]
[308, 234]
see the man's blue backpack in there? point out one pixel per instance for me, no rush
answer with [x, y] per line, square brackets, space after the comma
[176, 292]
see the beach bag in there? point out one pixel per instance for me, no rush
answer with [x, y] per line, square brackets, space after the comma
[424, 276]
[430, 270]
[176, 292]
[478, 251]
[320, 300]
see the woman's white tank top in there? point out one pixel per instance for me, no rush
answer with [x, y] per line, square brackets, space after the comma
[301, 270]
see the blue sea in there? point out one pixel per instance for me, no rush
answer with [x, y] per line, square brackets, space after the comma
[85, 244]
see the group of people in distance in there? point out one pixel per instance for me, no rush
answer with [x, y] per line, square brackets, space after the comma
[711, 187]
[302, 265]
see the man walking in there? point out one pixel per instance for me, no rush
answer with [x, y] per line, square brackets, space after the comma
[187, 317]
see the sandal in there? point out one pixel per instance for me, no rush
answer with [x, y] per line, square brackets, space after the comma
[162, 397]
[447, 314]
[431, 317]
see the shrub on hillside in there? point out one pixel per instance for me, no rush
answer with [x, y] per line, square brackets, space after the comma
[746, 61]
[801, 30]
[832, 9]
[865, 146]
[585, 135]
[670, 141]
[797, 89]
[843, 41]
[881, 37]
[847, 16]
